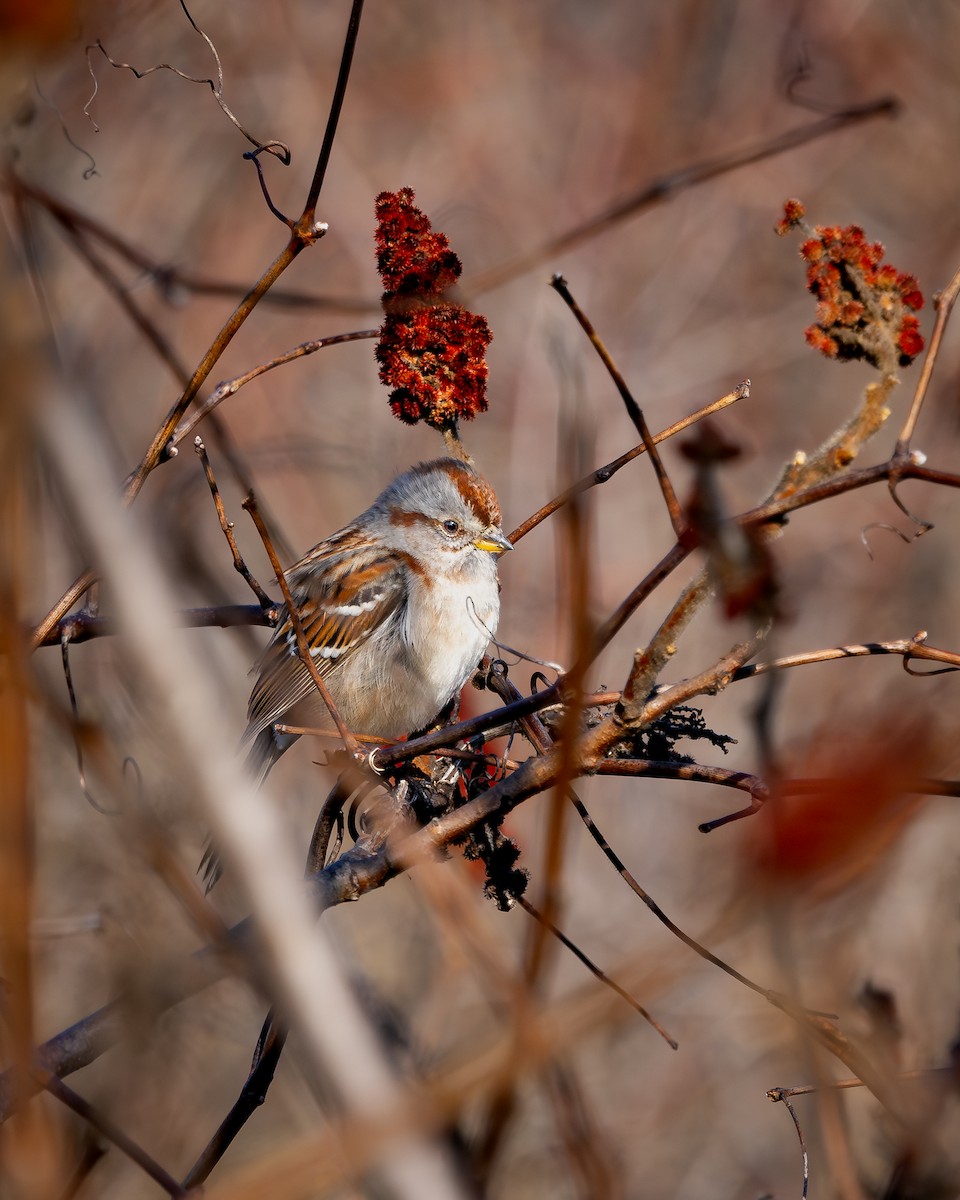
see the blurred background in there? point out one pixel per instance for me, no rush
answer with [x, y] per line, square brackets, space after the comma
[512, 123]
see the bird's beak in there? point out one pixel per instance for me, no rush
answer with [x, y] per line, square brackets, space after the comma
[494, 542]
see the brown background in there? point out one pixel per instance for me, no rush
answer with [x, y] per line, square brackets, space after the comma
[513, 123]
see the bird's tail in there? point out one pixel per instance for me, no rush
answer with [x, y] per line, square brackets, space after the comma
[265, 750]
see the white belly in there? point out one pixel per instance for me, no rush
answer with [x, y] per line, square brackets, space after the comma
[397, 685]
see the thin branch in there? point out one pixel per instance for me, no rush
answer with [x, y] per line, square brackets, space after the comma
[575, 586]
[606, 473]
[668, 186]
[216, 87]
[76, 729]
[83, 626]
[803, 1145]
[944, 303]
[931, 1074]
[689, 772]
[662, 571]
[451, 734]
[110, 1131]
[231, 386]
[92, 1154]
[596, 972]
[166, 276]
[650, 660]
[635, 413]
[620, 867]
[907, 648]
[227, 526]
[273, 1036]
[252, 1095]
[308, 217]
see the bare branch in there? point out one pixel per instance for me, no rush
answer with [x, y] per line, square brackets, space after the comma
[665, 188]
[635, 413]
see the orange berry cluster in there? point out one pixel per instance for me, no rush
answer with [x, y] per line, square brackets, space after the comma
[431, 350]
[865, 307]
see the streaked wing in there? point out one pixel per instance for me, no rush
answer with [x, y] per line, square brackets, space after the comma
[344, 589]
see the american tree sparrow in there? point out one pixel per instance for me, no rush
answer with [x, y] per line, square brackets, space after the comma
[397, 609]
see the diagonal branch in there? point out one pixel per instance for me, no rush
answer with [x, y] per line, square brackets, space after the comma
[635, 413]
[668, 186]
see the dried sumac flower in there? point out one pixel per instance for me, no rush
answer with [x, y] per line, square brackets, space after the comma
[865, 306]
[412, 259]
[431, 350]
[434, 360]
[793, 214]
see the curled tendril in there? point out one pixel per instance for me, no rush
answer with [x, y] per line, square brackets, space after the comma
[277, 149]
[922, 525]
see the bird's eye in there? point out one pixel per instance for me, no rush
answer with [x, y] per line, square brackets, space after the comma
[451, 526]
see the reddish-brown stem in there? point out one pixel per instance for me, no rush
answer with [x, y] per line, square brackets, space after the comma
[227, 526]
[596, 972]
[167, 277]
[665, 188]
[110, 1131]
[944, 304]
[305, 232]
[605, 473]
[909, 648]
[230, 387]
[308, 217]
[635, 413]
[83, 626]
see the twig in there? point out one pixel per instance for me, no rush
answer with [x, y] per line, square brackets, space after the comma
[305, 232]
[650, 660]
[216, 87]
[227, 526]
[849, 481]
[463, 730]
[165, 276]
[944, 303]
[306, 221]
[691, 772]
[606, 473]
[76, 726]
[592, 1161]
[576, 587]
[616, 621]
[803, 1145]
[596, 972]
[66, 1095]
[230, 387]
[312, 731]
[303, 646]
[907, 648]
[668, 186]
[92, 1153]
[933, 1074]
[252, 1095]
[83, 626]
[635, 413]
[617, 863]
[273, 1036]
